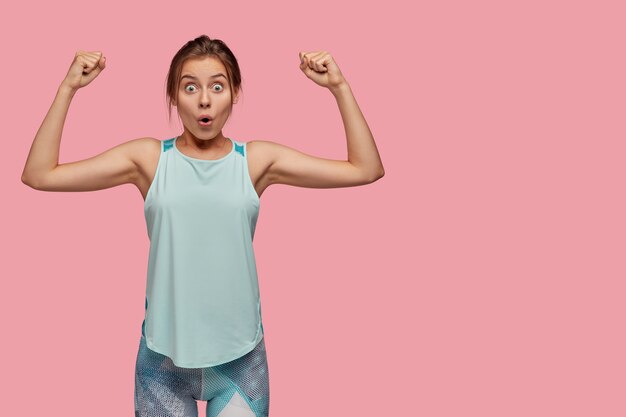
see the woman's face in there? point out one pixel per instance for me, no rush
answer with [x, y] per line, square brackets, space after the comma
[204, 90]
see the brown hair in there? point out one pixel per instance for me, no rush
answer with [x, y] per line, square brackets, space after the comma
[201, 47]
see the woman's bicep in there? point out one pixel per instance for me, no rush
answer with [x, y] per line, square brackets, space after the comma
[292, 167]
[110, 168]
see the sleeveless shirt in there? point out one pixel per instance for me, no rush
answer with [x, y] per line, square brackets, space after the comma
[203, 305]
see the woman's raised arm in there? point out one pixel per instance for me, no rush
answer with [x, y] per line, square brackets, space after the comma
[115, 166]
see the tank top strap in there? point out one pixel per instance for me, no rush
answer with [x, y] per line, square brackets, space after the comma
[167, 145]
[240, 148]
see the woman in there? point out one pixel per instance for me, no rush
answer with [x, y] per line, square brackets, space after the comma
[202, 334]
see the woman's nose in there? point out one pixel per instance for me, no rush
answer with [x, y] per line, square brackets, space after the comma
[205, 98]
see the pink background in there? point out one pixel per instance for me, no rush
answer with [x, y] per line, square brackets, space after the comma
[482, 276]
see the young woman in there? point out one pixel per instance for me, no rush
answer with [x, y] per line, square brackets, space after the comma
[202, 334]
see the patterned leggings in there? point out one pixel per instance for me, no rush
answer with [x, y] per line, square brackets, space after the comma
[239, 388]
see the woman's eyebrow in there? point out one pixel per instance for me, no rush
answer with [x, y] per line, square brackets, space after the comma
[195, 78]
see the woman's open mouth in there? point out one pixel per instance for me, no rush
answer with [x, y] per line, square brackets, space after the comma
[205, 122]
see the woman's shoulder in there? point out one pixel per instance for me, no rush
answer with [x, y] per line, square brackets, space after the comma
[146, 152]
[261, 150]
[150, 142]
[260, 157]
[147, 145]
[262, 146]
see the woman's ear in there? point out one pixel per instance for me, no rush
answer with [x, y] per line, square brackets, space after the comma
[236, 97]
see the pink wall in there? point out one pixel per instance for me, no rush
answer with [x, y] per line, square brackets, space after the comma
[482, 276]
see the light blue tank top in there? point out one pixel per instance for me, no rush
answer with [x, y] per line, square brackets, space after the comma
[203, 305]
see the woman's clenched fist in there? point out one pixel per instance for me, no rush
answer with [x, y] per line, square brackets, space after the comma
[84, 69]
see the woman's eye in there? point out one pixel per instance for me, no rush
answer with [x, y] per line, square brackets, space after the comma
[194, 87]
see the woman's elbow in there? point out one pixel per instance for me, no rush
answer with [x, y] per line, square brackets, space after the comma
[31, 182]
[376, 176]
[379, 174]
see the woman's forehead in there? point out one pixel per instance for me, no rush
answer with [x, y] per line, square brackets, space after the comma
[203, 67]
